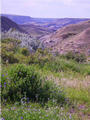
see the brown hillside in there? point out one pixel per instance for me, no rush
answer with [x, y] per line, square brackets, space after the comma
[71, 38]
[35, 30]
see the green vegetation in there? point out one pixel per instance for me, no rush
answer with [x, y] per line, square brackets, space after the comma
[25, 51]
[35, 112]
[24, 81]
[9, 48]
[41, 86]
[76, 56]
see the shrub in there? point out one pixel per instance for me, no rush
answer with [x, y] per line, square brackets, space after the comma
[62, 65]
[9, 48]
[9, 40]
[51, 91]
[25, 51]
[9, 57]
[32, 59]
[26, 82]
[10, 44]
[78, 57]
[23, 80]
[41, 57]
[55, 66]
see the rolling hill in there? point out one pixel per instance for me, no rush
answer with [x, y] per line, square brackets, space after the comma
[75, 37]
[36, 30]
[18, 18]
[7, 24]
[51, 23]
[62, 35]
[38, 27]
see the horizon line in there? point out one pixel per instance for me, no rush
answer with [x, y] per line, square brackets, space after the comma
[45, 17]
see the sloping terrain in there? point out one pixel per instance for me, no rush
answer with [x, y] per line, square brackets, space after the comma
[11, 30]
[59, 23]
[70, 38]
[25, 40]
[51, 23]
[36, 30]
[27, 19]
[73, 37]
[38, 27]
[18, 18]
[7, 24]
[31, 29]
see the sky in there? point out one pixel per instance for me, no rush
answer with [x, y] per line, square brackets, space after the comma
[47, 8]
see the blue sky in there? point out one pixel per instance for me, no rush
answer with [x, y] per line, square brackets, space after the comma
[47, 8]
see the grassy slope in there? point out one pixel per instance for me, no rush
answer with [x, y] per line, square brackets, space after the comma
[70, 75]
[76, 86]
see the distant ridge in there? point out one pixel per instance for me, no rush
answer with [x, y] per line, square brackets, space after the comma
[18, 18]
[54, 23]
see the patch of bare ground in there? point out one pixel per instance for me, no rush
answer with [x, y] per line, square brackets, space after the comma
[83, 82]
[76, 83]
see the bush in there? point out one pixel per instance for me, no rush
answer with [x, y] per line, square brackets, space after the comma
[9, 49]
[62, 65]
[51, 91]
[78, 57]
[8, 57]
[41, 57]
[25, 51]
[10, 45]
[24, 81]
[32, 59]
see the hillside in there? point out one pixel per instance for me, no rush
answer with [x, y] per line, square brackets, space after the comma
[37, 27]
[36, 30]
[75, 37]
[7, 24]
[18, 18]
[51, 23]
[31, 29]
[59, 23]
[39, 85]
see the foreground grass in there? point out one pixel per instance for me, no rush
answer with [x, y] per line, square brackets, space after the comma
[34, 111]
[81, 96]
[73, 77]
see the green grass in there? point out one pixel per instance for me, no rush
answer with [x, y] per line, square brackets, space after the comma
[68, 74]
[81, 96]
[34, 111]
